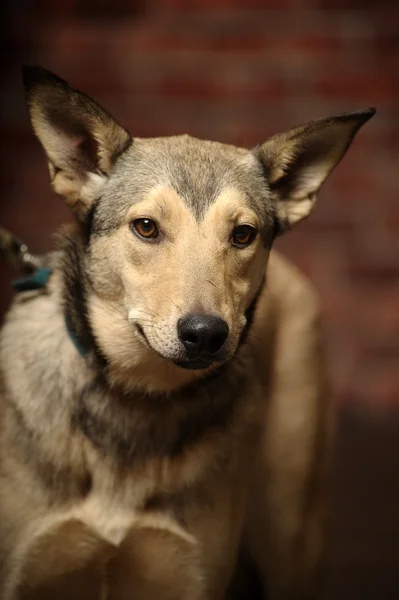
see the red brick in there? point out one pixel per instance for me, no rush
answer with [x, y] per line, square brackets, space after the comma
[209, 5]
[372, 87]
[239, 71]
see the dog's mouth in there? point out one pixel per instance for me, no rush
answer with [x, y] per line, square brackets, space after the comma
[143, 335]
[194, 364]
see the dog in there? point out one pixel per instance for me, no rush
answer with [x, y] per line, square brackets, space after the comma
[166, 422]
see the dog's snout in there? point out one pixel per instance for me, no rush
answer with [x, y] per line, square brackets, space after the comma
[202, 334]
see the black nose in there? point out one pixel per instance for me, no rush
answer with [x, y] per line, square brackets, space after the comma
[202, 334]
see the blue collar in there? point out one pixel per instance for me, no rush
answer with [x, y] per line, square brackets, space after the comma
[36, 281]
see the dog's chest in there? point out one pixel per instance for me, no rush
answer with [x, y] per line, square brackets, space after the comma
[119, 502]
[138, 454]
[112, 512]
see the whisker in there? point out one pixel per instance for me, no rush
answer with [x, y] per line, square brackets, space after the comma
[211, 282]
[173, 302]
[151, 314]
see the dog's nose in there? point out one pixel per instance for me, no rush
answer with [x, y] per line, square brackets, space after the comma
[202, 333]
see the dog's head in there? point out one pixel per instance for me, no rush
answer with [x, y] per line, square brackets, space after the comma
[179, 229]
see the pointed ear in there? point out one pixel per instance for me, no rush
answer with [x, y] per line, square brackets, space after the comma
[296, 163]
[81, 140]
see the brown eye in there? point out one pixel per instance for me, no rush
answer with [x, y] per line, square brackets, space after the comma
[243, 236]
[145, 228]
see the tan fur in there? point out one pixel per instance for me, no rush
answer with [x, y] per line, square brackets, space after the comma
[295, 448]
[132, 472]
[223, 284]
[278, 525]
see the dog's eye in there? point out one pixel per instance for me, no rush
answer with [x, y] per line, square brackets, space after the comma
[243, 236]
[145, 228]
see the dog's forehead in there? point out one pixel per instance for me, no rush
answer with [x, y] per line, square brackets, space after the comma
[197, 170]
[186, 151]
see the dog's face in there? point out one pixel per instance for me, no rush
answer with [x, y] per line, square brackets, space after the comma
[178, 245]
[178, 229]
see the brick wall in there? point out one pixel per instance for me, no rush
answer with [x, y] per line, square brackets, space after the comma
[238, 71]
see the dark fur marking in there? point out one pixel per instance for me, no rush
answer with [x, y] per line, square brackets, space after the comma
[138, 427]
[277, 227]
[171, 503]
[61, 480]
[250, 314]
[121, 150]
[75, 279]
[88, 227]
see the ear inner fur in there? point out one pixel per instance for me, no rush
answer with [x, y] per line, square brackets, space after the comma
[79, 137]
[296, 163]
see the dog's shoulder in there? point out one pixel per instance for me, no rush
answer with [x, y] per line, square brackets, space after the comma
[290, 289]
[289, 299]
[288, 329]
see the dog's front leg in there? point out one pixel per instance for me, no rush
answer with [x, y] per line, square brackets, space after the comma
[154, 564]
[66, 562]
[287, 523]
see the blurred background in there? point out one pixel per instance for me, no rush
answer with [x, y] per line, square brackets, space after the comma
[238, 71]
